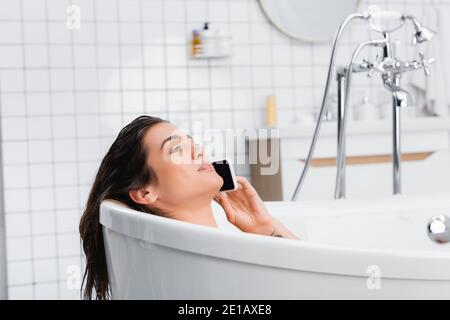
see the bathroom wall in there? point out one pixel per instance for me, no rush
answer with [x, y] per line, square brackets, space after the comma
[65, 93]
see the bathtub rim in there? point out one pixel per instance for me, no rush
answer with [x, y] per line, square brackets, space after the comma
[322, 258]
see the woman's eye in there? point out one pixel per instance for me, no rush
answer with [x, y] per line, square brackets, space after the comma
[175, 149]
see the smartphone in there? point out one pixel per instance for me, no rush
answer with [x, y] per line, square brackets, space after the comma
[226, 171]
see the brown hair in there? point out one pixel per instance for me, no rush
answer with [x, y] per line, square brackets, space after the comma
[123, 168]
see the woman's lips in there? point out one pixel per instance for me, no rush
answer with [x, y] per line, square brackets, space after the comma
[206, 166]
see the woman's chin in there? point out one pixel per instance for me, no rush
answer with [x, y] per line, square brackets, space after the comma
[216, 181]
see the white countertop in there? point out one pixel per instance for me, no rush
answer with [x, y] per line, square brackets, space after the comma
[428, 124]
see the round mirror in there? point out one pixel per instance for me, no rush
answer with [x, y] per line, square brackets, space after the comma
[314, 21]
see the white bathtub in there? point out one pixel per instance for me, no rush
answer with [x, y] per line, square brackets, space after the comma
[359, 249]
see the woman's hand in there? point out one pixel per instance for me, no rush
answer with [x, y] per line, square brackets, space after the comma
[245, 209]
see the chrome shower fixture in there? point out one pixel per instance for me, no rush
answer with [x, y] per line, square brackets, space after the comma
[422, 34]
[390, 66]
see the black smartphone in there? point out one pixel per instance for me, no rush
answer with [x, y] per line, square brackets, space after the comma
[226, 171]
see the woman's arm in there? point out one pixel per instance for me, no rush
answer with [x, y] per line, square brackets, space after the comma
[280, 230]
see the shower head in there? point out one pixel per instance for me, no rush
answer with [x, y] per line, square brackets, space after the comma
[421, 33]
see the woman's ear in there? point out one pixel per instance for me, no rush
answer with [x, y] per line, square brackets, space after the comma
[145, 195]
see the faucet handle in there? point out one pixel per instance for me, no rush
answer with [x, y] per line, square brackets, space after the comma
[376, 65]
[369, 66]
[425, 63]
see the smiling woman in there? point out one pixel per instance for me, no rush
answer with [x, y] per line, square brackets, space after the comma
[154, 167]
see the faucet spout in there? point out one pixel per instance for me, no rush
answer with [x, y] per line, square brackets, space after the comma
[401, 98]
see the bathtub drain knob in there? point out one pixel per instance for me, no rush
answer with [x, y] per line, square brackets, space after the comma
[439, 229]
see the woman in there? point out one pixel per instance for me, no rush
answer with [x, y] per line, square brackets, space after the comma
[155, 168]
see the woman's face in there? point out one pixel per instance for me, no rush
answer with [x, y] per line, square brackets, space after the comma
[183, 173]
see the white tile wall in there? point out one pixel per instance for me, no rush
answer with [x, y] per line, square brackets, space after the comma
[65, 94]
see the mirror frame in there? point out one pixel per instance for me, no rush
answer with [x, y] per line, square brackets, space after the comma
[304, 39]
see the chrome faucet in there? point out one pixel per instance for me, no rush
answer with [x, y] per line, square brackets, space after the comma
[391, 69]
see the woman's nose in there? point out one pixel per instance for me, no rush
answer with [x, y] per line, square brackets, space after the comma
[198, 152]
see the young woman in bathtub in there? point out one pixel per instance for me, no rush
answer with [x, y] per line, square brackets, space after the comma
[155, 168]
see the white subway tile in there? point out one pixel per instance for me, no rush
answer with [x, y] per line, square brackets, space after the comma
[84, 56]
[178, 100]
[66, 197]
[152, 10]
[110, 125]
[10, 10]
[17, 224]
[38, 103]
[133, 101]
[155, 78]
[14, 152]
[35, 32]
[106, 9]
[14, 128]
[61, 79]
[87, 172]
[15, 176]
[39, 128]
[86, 79]
[108, 56]
[177, 78]
[62, 103]
[87, 126]
[19, 273]
[68, 244]
[68, 220]
[44, 246]
[13, 104]
[65, 174]
[11, 56]
[46, 291]
[10, 32]
[85, 34]
[58, 31]
[42, 199]
[41, 175]
[87, 102]
[238, 11]
[153, 33]
[218, 10]
[12, 80]
[16, 200]
[88, 149]
[129, 10]
[64, 127]
[18, 248]
[65, 150]
[130, 32]
[40, 151]
[174, 11]
[197, 10]
[37, 80]
[199, 78]
[221, 99]
[43, 223]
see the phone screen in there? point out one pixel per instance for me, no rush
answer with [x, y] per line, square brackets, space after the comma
[223, 168]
